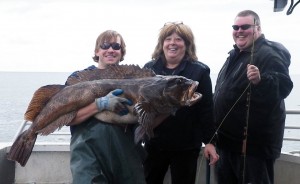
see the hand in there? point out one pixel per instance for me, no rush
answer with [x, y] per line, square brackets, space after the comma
[210, 153]
[113, 103]
[253, 74]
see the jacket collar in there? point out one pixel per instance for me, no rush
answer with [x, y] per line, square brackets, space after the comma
[160, 64]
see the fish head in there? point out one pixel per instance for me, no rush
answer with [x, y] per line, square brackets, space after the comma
[166, 94]
[181, 91]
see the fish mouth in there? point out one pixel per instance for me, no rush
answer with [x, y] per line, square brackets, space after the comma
[191, 96]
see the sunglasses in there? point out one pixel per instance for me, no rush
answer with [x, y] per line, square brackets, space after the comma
[173, 23]
[114, 45]
[243, 27]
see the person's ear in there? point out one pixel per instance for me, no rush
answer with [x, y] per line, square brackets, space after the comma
[258, 28]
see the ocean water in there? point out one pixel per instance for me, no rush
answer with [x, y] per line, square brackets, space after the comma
[17, 89]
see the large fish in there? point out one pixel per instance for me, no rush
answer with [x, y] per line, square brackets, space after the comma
[54, 106]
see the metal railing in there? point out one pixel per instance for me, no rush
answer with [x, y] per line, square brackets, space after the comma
[288, 111]
[28, 123]
[297, 112]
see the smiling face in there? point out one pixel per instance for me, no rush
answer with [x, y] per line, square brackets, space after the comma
[245, 38]
[109, 56]
[174, 49]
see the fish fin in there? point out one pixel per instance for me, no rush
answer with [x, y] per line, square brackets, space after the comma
[130, 71]
[58, 123]
[143, 106]
[22, 147]
[145, 119]
[84, 75]
[40, 99]
[111, 72]
[143, 132]
[147, 122]
[139, 134]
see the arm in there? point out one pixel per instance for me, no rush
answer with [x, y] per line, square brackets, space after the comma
[205, 121]
[109, 102]
[272, 67]
[85, 113]
[206, 117]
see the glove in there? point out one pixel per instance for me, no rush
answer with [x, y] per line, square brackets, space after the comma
[113, 103]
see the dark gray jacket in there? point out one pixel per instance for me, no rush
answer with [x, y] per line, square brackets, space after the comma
[267, 109]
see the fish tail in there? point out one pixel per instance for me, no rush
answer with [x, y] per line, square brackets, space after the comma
[22, 147]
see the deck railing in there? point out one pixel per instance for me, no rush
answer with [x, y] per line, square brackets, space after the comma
[288, 112]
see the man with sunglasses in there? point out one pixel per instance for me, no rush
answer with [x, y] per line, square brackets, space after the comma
[102, 152]
[249, 104]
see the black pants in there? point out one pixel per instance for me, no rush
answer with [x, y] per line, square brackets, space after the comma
[230, 169]
[183, 165]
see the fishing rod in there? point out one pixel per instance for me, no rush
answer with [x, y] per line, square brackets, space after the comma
[248, 102]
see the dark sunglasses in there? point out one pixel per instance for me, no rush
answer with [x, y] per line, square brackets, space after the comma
[114, 45]
[243, 27]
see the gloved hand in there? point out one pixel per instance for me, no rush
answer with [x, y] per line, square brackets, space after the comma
[113, 103]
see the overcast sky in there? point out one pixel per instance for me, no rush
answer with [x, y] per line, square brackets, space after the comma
[60, 35]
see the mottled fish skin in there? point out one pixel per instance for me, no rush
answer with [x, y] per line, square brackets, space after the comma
[148, 94]
[111, 72]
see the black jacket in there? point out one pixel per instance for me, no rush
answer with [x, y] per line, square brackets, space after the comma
[267, 109]
[191, 125]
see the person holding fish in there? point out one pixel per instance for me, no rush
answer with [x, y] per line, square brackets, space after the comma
[178, 139]
[249, 104]
[102, 152]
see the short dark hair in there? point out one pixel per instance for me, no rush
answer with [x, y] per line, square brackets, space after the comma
[245, 13]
